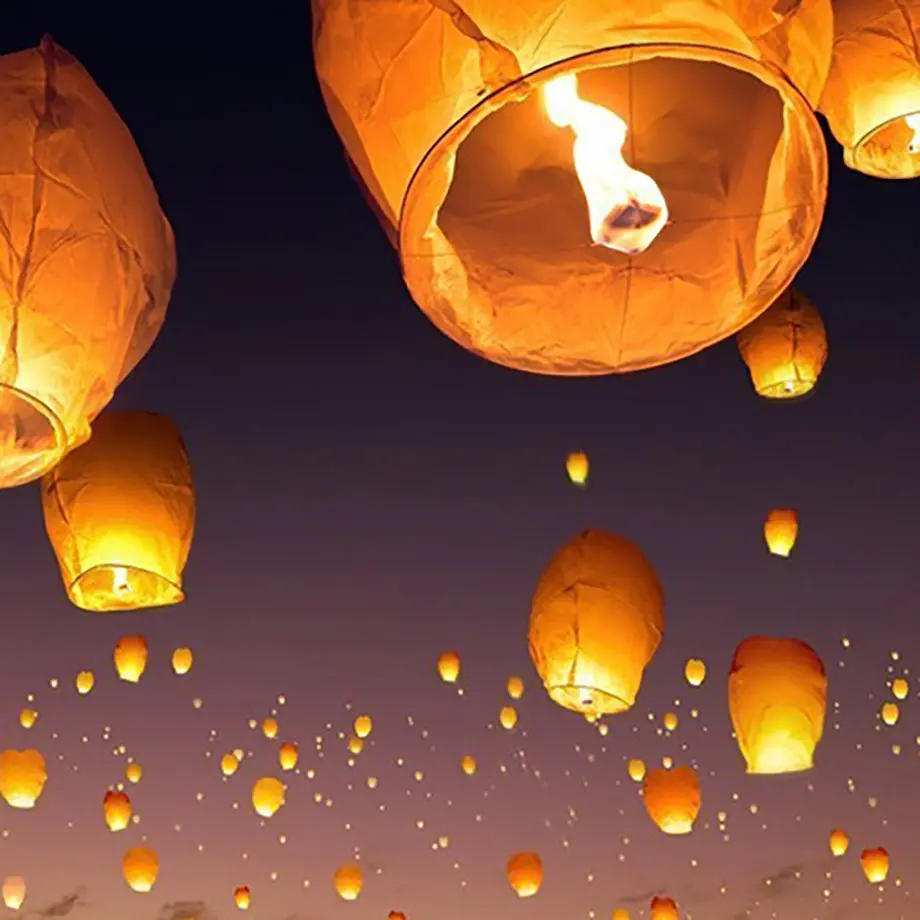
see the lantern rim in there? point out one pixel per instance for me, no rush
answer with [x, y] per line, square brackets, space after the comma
[859, 156]
[47, 437]
[788, 391]
[92, 590]
[588, 700]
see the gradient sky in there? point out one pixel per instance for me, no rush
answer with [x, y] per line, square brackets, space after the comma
[369, 495]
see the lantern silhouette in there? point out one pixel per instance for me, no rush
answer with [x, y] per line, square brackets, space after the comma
[363, 726]
[785, 348]
[777, 693]
[14, 892]
[89, 259]
[780, 531]
[348, 882]
[496, 194]
[468, 764]
[120, 512]
[134, 772]
[596, 620]
[28, 717]
[116, 808]
[508, 717]
[515, 688]
[576, 465]
[890, 713]
[525, 874]
[267, 796]
[636, 770]
[449, 667]
[242, 897]
[355, 745]
[695, 672]
[839, 842]
[872, 96]
[900, 688]
[228, 764]
[875, 865]
[130, 657]
[85, 681]
[140, 867]
[270, 728]
[672, 798]
[22, 777]
[182, 660]
[670, 721]
[288, 755]
[664, 909]
[396, 915]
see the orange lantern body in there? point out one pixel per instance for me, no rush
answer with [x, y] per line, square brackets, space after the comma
[664, 909]
[577, 466]
[672, 798]
[636, 769]
[596, 620]
[449, 667]
[182, 660]
[695, 672]
[242, 897]
[777, 693]
[872, 95]
[348, 881]
[785, 348]
[525, 874]
[839, 842]
[140, 867]
[89, 258]
[875, 865]
[288, 755]
[780, 530]
[130, 657]
[120, 513]
[116, 808]
[442, 112]
[900, 688]
[22, 777]
[268, 796]
[14, 891]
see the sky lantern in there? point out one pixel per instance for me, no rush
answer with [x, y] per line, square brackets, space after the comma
[664, 909]
[242, 897]
[780, 531]
[596, 619]
[695, 672]
[182, 659]
[116, 808]
[85, 681]
[890, 713]
[672, 798]
[28, 717]
[134, 772]
[449, 667]
[348, 882]
[636, 770]
[14, 892]
[525, 874]
[872, 96]
[508, 717]
[777, 694]
[670, 721]
[568, 205]
[270, 728]
[839, 842]
[267, 796]
[576, 465]
[130, 658]
[120, 512]
[88, 254]
[229, 764]
[363, 726]
[468, 764]
[620, 913]
[355, 745]
[140, 867]
[900, 688]
[785, 347]
[288, 755]
[515, 688]
[22, 777]
[875, 864]
[396, 915]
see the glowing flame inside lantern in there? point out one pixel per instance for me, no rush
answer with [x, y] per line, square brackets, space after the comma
[913, 122]
[626, 208]
[120, 582]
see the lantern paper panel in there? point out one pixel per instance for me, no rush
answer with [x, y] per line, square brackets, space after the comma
[672, 798]
[87, 261]
[120, 514]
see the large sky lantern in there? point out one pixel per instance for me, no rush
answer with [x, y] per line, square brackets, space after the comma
[785, 348]
[23, 775]
[777, 694]
[88, 258]
[585, 187]
[872, 96]
[597, 618]
[120, 514]
[672, 798]
[140, 867]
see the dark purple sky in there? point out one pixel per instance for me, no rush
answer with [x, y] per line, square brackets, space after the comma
[369, 494]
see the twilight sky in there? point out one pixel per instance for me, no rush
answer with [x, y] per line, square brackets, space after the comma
[369, 495]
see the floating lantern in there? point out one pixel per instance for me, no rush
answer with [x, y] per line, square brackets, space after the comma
[449, 667]
[130, 657]
[117, 810]
[363, 726]
[839, 842]
[267, 796]
[780, 531]
[182, 659]
[636, 770]
[22, 777]
[695, 672]
[664, 909]
[900, 688]
[515, 688]
[288, 755]
[140, 867]
[525, 874]
[576, 465]
[348, 882]
[468, 764]
[875, 865]
[672, 799]
[242, 897]
[85, 681]
[14, 892]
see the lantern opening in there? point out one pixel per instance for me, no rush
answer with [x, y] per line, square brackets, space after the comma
[589, 700]
[893, 148]
[32, 438]
[783, 742]
[108, 587]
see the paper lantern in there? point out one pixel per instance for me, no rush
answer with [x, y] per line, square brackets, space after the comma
[780, 531]
[267, 796]
[900, 688]
[117, 810]
[777, 693]
[670, 721]
[621, 913]
[363, 726]
[130, 657]
[84, 682]
[120, 512]
[525, 153]
[525, 874]
[515, 688]
[229, 764]
[270, 728]
[636, 770]
[355, 745]
[695, 672]
[785, 348]
[182, 660]
[664, 909]
[242, 897]
[672, 799]
[468, 764]
[134, 772]
[890, 713]
[14, 892]
[576, 465]
[449, 667]
[508, 717]
[22, 777]
[596, 619]
[396, 915]
[89, 258]
[839, 842]
[288, 755]
[872, 96]
[348, 882]
[28, 717]
[140, 867]
[875, 865]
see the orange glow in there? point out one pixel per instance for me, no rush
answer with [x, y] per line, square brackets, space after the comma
[449, 667]
[140, 867]
[14, 892]
[672, 799]
[22, 777]
[508, 717]
[664, 909]
[839, 842]
[875, 865]
[780, 531]
[348, 882]
[695, 672]
[288, 755]
[525, 874]
[182, 659]
[577, 466]
[117, 810]
[242, 897]
[267, 796]
[130, 658]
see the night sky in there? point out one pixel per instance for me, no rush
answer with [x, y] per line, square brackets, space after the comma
[370, 494]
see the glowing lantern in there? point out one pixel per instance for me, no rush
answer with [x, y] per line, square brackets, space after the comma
[287, 755]
[596, 619]
[449, 667]
[396, 915]
[621, 913]
[270, 728]
[664, 909]
[780, 530]
[890, 713]
[229, 764]
[525, 874]
[777, 693]
[355, 745]
[695, 672]
[839, 842]
[363, 726]
[468, 764]
[569, 204]
[785, 348]
[900, 688]
[267, 796]
[348, 881]
[508, 717]
[242, 897]
[140, 867]
[85, 682]
[120, 512]
[131, 658]
[576, 465]
[872, 96]
[89, 257]
[14, 891]
[28, 717]
[670, 721]
[636, 769]
[134, 772]
[875, 865]
[116, 808]
[672, 798]
[515, 688]
[22, 777]
[182, 659]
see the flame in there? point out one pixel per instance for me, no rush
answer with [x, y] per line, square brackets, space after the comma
[913, 122]
[626, 208]
[120, 582]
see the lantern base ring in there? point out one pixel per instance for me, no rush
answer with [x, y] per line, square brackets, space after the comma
[32, 437]
[113, 587]
[587, 700]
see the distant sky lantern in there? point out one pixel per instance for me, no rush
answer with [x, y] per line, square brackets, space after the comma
[270, 728]
[525, 874]
[508, 717]
[14, 892]
[182, 659]
[621, 913]
[85, 681]
[576, 465]
[120, 512]
[116, 808]
[28, 717]
[130, 658]
[140, 867]
[229, 764]
[134, 772]
[515, 688]
[396, 915]
[570, 205]
[663, 909]
[672, 798]
[785, 348]
[449, 667]
[348, 882]
[89, 259]
[900, 688]
[355, 745]
[777, 693]
[872, 96]
[636, 770]
[242, 897]
[267, 796]
[596, 620]
[875, 865]
[890, 713]
[780, 530]
[288, 755]
[839, 842]
[363, 726]
[468, 764]
[22, 777]
[670, 721]
[695, 672]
